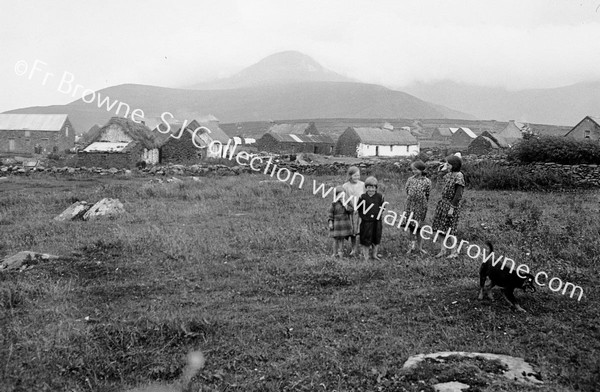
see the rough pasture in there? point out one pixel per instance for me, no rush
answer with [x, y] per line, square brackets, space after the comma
[239, 270]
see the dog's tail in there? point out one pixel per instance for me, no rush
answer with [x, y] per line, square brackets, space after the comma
[490, 246]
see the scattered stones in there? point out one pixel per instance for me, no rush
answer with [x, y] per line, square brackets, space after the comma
[105, 207]
[24, 259]
[74, 211]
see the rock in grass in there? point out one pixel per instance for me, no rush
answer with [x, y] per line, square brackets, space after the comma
[74, 211]
[105, 207]
[195, 362]
[23, 259]
[452, 386]
[518, 369]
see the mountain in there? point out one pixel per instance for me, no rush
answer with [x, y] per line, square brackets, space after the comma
[284, 86]
[560, 106]
[279, 68]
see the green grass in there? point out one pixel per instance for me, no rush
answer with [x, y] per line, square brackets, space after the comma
[240, 270]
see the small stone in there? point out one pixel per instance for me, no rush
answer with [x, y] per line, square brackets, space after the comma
[452, 386]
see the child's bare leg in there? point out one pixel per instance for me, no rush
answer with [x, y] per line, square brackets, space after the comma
[442, 251]
[420, 244]
[365, 252]
[411, 246]
[353, 240]
[335, 247]
[340, 247]
[375, 250]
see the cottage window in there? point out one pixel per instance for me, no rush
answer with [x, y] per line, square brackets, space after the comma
[67, 130]
[586, 134]
[27, 133]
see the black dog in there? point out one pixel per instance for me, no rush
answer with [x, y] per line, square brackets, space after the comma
[505, 278]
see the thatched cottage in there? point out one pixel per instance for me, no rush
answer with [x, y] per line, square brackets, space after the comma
[487, 143]
[120, 143]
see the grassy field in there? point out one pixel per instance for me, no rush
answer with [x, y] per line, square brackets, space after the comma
[240, 269]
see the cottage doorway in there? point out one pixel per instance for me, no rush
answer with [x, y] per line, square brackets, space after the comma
[11, 144]
[376, 151]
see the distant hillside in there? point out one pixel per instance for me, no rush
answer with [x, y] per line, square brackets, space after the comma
[561, 106]
[269, 102]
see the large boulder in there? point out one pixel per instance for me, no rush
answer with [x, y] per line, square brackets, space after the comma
[74, 211]
[105, 207]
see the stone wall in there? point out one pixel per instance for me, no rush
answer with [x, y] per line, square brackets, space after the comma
[123, 160]
[583, 175]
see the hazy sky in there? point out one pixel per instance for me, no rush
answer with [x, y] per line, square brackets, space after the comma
[513, 44]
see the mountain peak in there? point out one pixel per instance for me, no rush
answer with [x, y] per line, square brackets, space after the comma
[279, 68]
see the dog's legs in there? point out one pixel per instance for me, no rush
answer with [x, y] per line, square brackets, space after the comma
[481, 291]
[482, 279]
[510, 297]
[489, 291]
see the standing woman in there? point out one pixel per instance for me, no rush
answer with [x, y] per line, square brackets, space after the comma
[418, 188]
[354, 188]
[447, 211]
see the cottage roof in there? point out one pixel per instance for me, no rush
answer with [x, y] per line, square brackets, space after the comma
[301, 138]
[520, 125]
[469, 132]
[513, 131]
[385, 137]
[138, 132]
[491, 141]
[500, 140]
[33, 122]
[216, 133]
[106, 147]
[594, 119]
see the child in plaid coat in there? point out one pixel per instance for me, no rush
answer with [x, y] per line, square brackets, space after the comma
[340, 226]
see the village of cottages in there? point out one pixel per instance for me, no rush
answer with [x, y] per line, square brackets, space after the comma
[124, 144]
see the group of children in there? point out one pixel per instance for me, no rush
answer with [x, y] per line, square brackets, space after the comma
[362, 216]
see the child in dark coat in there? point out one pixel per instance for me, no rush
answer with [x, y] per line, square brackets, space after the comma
[370, 206]
[340, 226]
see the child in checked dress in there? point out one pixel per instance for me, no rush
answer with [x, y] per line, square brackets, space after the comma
[447, 211]
[418, 188]
[340, 227]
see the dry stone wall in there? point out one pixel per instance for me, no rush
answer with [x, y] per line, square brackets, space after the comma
[585, 175]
